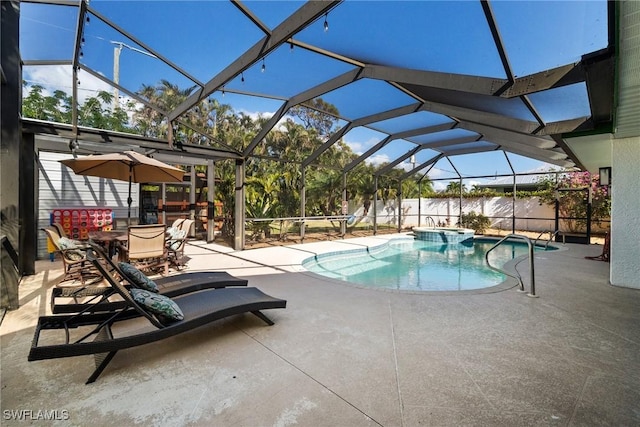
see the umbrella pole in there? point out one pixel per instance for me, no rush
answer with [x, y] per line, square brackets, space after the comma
[129, 199]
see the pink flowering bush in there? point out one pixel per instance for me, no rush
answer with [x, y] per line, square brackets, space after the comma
[573, 203]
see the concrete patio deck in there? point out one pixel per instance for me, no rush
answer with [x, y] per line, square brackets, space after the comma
[342, 355]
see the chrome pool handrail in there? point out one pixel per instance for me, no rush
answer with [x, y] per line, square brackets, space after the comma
[532, 287]
[551, 236]
[432, 221]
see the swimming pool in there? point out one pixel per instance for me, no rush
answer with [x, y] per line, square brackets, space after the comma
[418, 265]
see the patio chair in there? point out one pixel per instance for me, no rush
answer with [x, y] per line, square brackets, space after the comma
[73, 255]
[186, 225]
[176, 243]
[169, 286]
[59, 229]
[146, 247]
[188, 311]
[176, 223]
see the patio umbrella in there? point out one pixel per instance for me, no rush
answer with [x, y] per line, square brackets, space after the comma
[125, 166]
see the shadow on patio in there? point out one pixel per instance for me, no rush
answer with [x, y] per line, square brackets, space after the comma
[346, 355]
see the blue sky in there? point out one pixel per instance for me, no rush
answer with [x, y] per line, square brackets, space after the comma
[203, 37]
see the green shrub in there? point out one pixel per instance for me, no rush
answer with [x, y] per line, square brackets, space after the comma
[474, 221]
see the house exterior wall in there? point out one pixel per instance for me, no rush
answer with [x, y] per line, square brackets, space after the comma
[10, 94]
[625, 153]
[625, 213]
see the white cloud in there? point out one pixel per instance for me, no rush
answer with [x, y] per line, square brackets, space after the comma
[435, 173]
[377, 159]
[440, 185]
[360, 147]
[280, 124]
[255, 115]
[60, 77]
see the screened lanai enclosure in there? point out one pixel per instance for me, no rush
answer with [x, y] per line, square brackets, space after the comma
[321, 114]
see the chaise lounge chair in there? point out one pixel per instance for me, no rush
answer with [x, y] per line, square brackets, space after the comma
[198, 309]
[169, 286]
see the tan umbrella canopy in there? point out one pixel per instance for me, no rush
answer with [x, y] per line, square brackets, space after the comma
[125, 166]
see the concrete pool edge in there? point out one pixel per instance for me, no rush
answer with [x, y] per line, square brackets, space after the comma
[509, 266]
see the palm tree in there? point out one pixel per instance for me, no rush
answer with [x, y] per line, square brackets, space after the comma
[165, 96]
[454, 187]
[411, 188]
[169, 95]
[361, 185]
[324, 191]
[147, 120]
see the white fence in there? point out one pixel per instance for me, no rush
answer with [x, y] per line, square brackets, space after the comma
[531, 214]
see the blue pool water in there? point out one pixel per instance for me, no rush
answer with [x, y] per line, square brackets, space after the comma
[419, 265]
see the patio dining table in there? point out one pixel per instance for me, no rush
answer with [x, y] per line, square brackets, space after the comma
[109, 238]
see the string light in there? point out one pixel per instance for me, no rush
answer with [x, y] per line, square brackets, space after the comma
[242, 77]
[291, 47]
[88, 19]
[326, 24]
[223, 91]
[263, 66]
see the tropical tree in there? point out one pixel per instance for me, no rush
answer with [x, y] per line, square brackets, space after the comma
[149, 121]
[324, 192]
[388, 184]
[273, 186]
[361, 185]
[317, 114]
[95, 111]
[37, 105]
[262, 202]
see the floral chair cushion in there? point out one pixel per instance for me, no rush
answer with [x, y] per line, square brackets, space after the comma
[163, 307]
[70, 248]
[176, 239]
[137, 277]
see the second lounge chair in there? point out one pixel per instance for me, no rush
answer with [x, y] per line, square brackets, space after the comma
[169, 286]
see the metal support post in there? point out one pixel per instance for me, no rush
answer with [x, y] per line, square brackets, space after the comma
[211, 201]
[239, 234]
